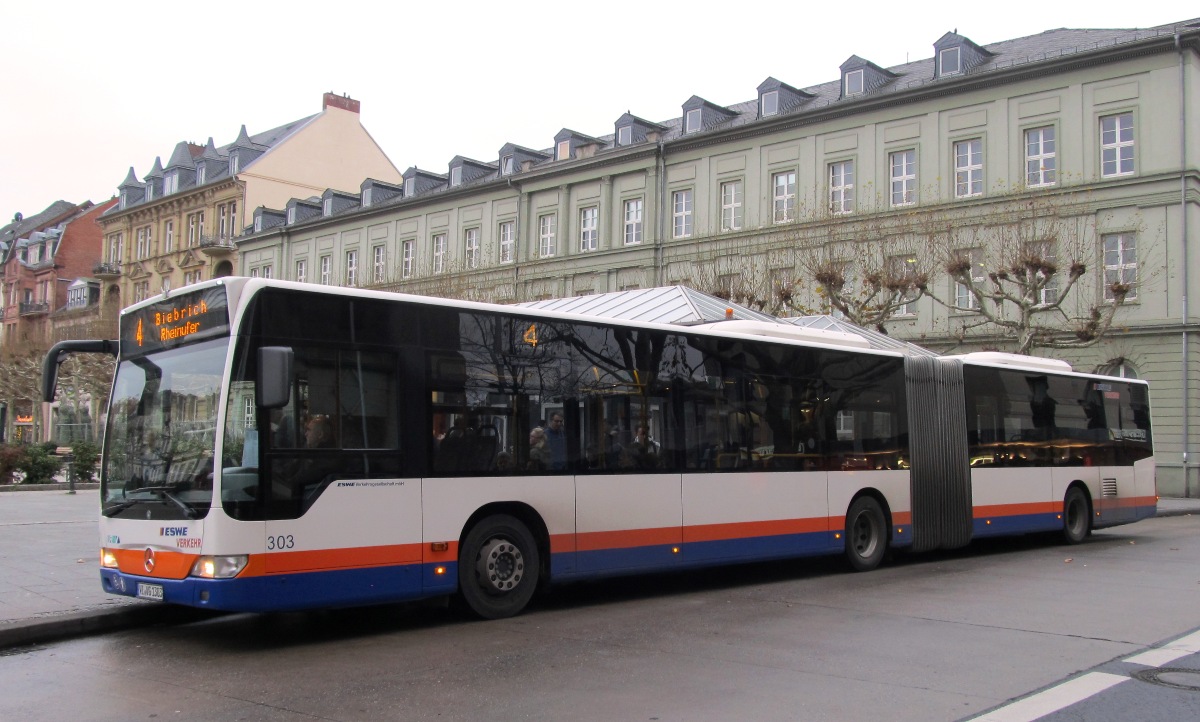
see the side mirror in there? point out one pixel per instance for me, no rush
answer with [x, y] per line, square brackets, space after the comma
[274, 384]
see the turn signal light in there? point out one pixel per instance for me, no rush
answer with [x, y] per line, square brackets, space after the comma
[108, 559]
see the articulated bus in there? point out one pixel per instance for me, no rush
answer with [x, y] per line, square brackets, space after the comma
[282, 446]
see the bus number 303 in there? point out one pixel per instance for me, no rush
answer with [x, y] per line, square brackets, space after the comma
[283, 541]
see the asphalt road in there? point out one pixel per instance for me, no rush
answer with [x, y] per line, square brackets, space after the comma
[928, 637]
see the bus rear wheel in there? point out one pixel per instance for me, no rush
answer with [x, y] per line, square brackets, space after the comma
[1077, 516]
[866, 534]
[498, 567]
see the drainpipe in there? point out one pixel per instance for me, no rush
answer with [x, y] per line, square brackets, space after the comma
[1184, 257]
[660, 211]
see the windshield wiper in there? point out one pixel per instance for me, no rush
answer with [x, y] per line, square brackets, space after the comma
[165, 493]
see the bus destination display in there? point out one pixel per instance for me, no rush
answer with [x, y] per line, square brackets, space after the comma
[175, 321]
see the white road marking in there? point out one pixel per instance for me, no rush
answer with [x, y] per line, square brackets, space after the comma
[1181, 647]
[1053, 699]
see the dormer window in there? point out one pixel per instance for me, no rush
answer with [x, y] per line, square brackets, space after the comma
[258, 224]
[951, 61]
[854, 82]
[456, 176]
[564, 150]
[200, 174]
[124, 199]
[770, 103]
[366, 197]
[327, 207]
[233, 163]
[506, 165]
[410, 187]
[625, 135]
[692, 121]
[291, 215]
[171, 183]
[149, 191]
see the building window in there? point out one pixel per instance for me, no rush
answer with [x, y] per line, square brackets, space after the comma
[407, 249]
[951, 61]
[471, 247]
[1040, 160]
[785, 196]
[168, 236]
[1116, 145]
[507, 241]
[546, 232]
[770, 103]
[904, 177]
[693, 121]
[968, 168]
[234, 164]
[171, 183]
[564, 150]
[248, 420]
[903, 268]
[731, 206]
[352, 268]
[195, 228]
[625, 135]
[143, 242]
[1121, 368]
[268, 271]
[681, 214]
[116, 248]
[190, 277]
[1039, 254]
[963, 298]
[854, 82]
[589, 232]
[633, 222]
[291, 217]
[506, 165]
[200, 175]
[410, 187]
[439, 253]
[841, 187]
[366, 197]
[227, 215]
[302, 270]
[456, 176]
[1120, 264]
[141, 291]
[326, 269]
[258, 224]
[379, 263]
[327, 207]
[149, 191]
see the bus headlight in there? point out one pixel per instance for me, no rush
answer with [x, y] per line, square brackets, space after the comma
[108, 559]
[219, 567]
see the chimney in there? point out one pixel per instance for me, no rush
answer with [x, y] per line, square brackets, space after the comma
[344, 102]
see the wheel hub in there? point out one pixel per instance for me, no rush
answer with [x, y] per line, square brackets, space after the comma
[500, 566]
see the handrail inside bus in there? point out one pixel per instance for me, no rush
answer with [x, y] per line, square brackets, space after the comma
[57, 355]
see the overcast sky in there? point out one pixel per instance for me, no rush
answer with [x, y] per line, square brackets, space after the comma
[94, 88]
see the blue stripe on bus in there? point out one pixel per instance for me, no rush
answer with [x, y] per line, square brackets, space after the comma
[1016, 524]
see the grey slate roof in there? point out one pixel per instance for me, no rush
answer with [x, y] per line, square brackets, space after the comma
[668, 304]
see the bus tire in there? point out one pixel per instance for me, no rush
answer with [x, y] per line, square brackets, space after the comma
[866, 534]
[498, 567]
[1077, 516]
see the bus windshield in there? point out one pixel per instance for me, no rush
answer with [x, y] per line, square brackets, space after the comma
[158, 456]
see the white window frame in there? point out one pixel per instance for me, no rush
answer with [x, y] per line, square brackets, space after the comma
[507, 165]
[956, 53]
[352, 268]
[508, 243]
[633, 221]
[407, 255]
[201, 174]
[456, 176]
[1117, 149]
[268, 271]
[291, 216]
[625, 135]
[841, 187]
[326, 269]
[902, 166]
[143, 242]
[302, 270]
[589, 228]
[682, 205]
[1041, 147]
[439, 252]
[732, 204]
[963, 298]
[327, 207]
[783, 186]
[564, 150]
[366, 197]
[471, 247]
[234, 163]
[150, 191]
[171, 183]
[692, 120]
[168, 236]
[410, 187]
[547, 232]
[1048, 252]
[769, 103]
[908, 306]
[379, 263]
[854, 83]
[968, 168]
[1120, 263]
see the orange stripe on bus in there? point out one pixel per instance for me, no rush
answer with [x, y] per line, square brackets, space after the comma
[167, 564]
[1036, 507]
[349, 558]
[751, 529]
[627, 538]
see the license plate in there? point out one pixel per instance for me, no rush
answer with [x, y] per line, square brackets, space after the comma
[150, 591]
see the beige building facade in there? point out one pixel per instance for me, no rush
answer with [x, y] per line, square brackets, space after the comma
[1080, 143]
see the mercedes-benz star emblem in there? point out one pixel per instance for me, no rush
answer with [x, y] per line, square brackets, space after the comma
[149, 559]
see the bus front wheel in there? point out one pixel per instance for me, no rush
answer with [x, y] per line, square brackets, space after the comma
[866, 534]
[498, 567]
[1077, 516]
